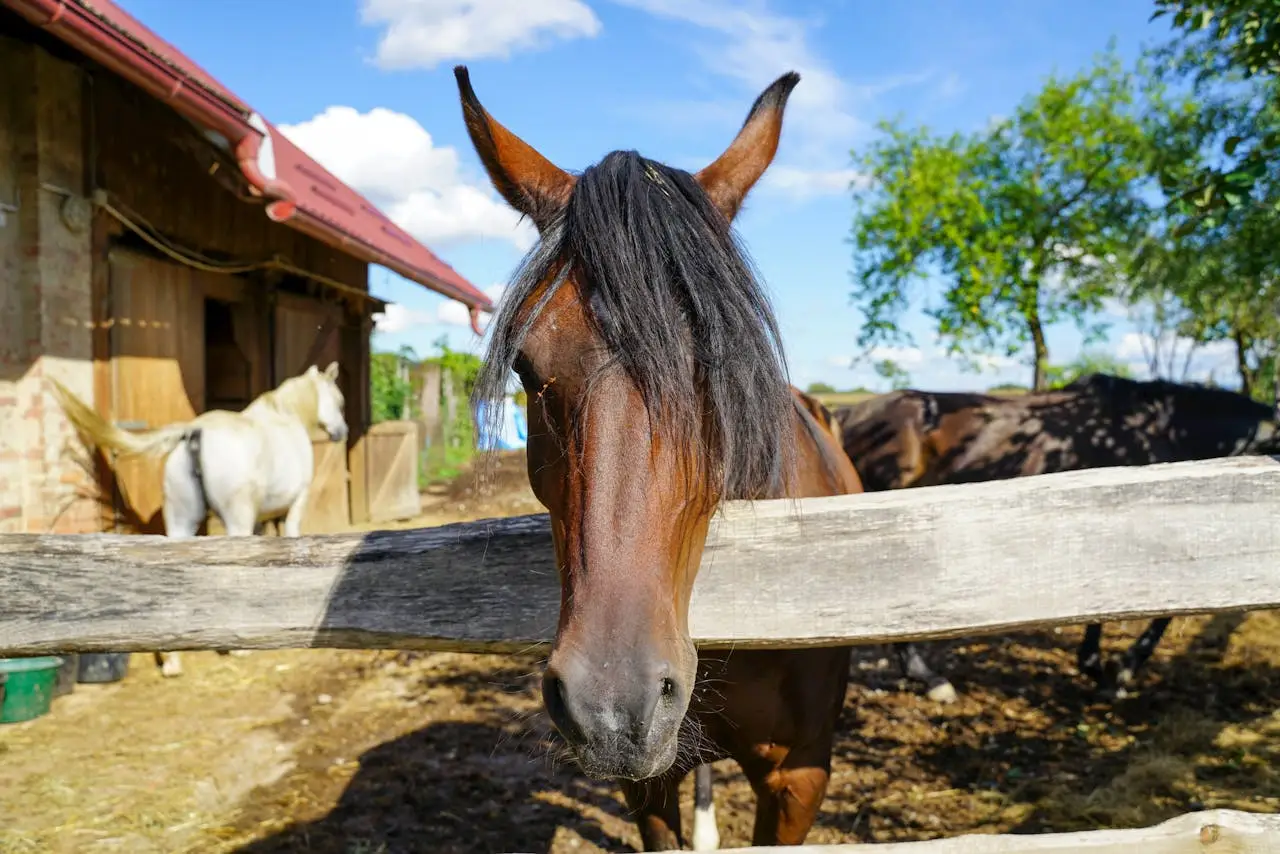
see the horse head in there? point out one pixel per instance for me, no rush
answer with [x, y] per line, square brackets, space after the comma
[656, 389]
[329, 402]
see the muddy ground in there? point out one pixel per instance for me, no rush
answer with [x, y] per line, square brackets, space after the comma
[366, 752]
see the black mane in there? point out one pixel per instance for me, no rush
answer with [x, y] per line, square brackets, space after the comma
[677, 304]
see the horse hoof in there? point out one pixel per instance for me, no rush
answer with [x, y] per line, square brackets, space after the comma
[240, 653]
[169, 671]
[943, 692]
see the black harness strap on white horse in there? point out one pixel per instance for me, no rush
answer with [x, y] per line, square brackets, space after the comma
[197, 467]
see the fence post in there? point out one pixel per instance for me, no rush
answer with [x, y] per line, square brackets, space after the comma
[450, 400]
[429, 406]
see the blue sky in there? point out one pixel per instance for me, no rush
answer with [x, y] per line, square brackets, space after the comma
[366, 87]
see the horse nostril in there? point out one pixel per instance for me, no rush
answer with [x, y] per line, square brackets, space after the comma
[668, 688]
[557, 705]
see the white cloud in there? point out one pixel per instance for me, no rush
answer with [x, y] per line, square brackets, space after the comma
[392, 159]
[398, 318]
[424, 33]
[453, 313]
[805, 184]
[1215, 358]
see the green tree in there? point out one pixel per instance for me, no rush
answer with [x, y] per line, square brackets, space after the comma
[1220, 46]
[1024, 222]
[821, 388]
[389, 384]
[1206, 272]
[1088, 362]
[888, 369]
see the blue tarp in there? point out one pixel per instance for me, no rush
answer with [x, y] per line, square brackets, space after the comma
[512, 431]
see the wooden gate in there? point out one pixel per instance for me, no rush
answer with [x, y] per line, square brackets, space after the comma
[391, 469]
[328, 508]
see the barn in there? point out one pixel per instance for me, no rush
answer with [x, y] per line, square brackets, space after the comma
[165, 250]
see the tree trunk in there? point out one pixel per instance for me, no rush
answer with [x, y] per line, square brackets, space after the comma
[1242, 363]
[1039, 378]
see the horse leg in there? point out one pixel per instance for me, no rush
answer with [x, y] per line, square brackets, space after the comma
[183, 511]
[706, 837]
[293, 519]
[939, 688]
[654, 805]
[789, 793]
[240, 520]
[1089, 655]
[1137, 655]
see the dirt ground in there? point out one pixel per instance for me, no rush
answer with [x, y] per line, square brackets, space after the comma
[384, 753]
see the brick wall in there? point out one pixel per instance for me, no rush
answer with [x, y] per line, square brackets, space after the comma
[45, 305]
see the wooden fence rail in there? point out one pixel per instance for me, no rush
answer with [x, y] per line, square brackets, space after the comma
[921, 563]
[1208, 832]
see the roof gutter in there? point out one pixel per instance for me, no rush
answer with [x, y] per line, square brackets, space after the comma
[98, 40]
[320, 229]
[245, 132]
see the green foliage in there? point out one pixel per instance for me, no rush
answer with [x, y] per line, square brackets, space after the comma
[1025, 222]
[821, 388]
[1244, 33]
[1222, 44]
[447, 458]
[1008, 388]
[390, 391]
[1088, 362]
[888, 369]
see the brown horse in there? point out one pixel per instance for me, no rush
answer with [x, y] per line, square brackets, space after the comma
[915, 438]
[657, 390]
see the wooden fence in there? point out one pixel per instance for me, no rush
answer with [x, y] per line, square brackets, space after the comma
[947, 561]
[391, 469]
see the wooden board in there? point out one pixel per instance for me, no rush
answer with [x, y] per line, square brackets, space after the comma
[944, 561]
[328, 508]
[308, 332]
[157, 366]
[1207, 832]
[391, 468]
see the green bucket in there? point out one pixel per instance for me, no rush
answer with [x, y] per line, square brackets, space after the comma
[28, 687]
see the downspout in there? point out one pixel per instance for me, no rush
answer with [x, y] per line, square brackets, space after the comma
[257, 158]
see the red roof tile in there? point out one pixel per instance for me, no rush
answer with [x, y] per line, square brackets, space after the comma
[301, 193]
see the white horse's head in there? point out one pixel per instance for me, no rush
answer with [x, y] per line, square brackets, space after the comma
[329, 401]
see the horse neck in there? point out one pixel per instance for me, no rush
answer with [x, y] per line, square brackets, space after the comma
[294, 398]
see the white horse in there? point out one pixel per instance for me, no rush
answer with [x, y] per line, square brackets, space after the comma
[246, 467]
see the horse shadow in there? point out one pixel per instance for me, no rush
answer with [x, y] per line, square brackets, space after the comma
[1033, 748]
[434, 790]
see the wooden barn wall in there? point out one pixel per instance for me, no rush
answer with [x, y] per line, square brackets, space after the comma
[142, 158]
[148, 158]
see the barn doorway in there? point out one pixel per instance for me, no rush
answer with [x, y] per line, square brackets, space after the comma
[228, 378]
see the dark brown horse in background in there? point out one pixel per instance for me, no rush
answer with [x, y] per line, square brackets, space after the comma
[638, 329]
[916, 438]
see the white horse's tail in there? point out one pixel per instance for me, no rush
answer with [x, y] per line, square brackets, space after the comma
[101, 433]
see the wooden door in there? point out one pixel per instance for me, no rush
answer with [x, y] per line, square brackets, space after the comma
[157, 365]
[392, 470]
[307, 332]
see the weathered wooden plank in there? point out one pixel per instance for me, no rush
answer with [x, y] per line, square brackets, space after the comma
[1208, 832]
[921, 563]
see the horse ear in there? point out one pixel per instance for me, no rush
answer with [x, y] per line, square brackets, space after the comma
[530, 183]
[332, 371]
[728, 180]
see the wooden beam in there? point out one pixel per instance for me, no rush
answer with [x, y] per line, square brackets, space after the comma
[934, 562]
[1207, 832]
